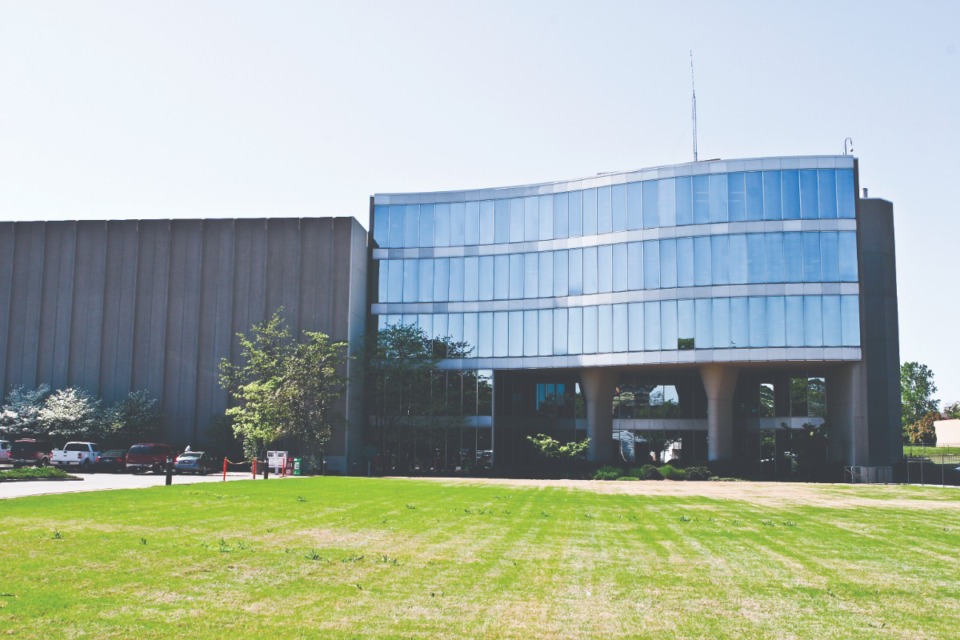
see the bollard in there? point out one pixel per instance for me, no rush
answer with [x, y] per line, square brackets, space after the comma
[169, 472]
[254, 468]
[266, 471]
[224, 469]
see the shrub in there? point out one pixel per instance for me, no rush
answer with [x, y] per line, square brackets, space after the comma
[608, 472]
[628, 478]
[70, 414]
[646, 472]
[136, 418]
[699, 473]
[671, 473]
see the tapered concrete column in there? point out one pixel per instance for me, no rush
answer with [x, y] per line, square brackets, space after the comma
[719, 382]
[598, 385]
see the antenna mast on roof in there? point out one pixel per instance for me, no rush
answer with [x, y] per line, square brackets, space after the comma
[693, 86]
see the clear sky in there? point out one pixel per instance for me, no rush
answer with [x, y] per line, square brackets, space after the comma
[248, 109]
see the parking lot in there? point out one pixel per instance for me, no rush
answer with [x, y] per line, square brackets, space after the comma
[108, 481]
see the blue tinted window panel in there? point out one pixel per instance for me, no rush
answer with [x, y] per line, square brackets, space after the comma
[395, 289]
[411, 280]
[546, 275]
[576, 272]
[756, 259]
[776, 322]
[427, 213]
[668, 263]
[546, 218]
[426, 280]
[668, 202]
[774, 252]
[620, 267]
[441, 327]
[850, 317]
[575, 331]
[739, 323]
[456, 280]
[827, 179]
[686, 320]
[793, 256]
[470, 336]
[684, 200]
[604, 329]
[685, 262]
[604, 210]
[516, 219]
[561, 220]
[619, 206]
[829, 256]
[651, 326]
[381, 323]
[516, 276]
[772, 201]
[471, 279]
[455, 326]
[729, 259]
[848, 256]
[846, 194]
[411, 225]
[701, 199]
[531, 270]
[635, 205]
[396, 226]
[812, 321]
[736, 197]
[425, 322]
[471, 228]
[441, 279]
[501, 333]
[530, 332]
[651, 204]
[515, 339]
[394, 319]
[702, 261]
[605, 268]
[590, 275]
[832, 323]
[809, 196]
[718, 198]
[811, 257]
[721, 323]
[635, 266]
[485, 339]
[441, 225]
[635, 319]
[758, 321]
[561, 273]
[531, 218]
[487, 225]
[794, 314]
[589, 212]
[590, 326]
[651, 264]
[575, 213]
[485, 286]
[703, 311]
[381, 225]
[501, 278]
[754, 195]
[621, 328]
[545, 336]
[790, 183]
[560, 335]
[383, 280]
[501, 221]
[457, 224]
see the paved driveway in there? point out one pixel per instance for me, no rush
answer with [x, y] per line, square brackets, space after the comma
[106, 481]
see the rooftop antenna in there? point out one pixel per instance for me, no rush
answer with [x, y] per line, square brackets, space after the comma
[693, 86]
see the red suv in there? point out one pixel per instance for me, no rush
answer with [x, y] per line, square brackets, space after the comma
[149, 456]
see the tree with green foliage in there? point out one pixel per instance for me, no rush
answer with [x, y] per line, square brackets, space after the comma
[136, 418]
[70, 414]
[916, 394]
[923, 430]
[284, 387]
[20, 415]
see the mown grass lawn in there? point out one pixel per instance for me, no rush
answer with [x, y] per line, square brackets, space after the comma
[337, 557]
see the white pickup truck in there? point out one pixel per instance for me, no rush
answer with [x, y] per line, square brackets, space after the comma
[79, 454]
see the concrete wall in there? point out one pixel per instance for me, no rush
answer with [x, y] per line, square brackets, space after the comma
[125, 305]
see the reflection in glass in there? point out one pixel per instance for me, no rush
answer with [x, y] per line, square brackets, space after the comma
[426, 280]
[441, 279]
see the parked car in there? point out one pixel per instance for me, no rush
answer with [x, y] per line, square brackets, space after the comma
[28, 451]
[4, 451]
[76, 454]
[114, 460]
[196, 462]
[148, 456]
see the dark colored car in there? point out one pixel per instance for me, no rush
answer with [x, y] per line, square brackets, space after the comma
[27, 452]
[149, 456]
[114, 460]
[200, 462]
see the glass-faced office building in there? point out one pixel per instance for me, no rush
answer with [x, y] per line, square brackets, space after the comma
[707, 311]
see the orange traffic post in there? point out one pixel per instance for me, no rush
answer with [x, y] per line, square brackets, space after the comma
[254, 467]
[224, 469]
